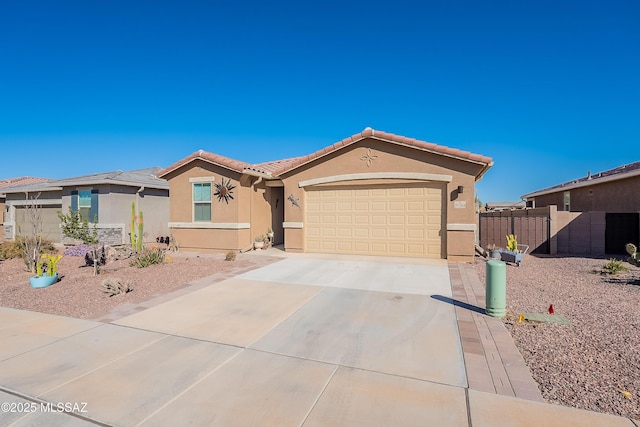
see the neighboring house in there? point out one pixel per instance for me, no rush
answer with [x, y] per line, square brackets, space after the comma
[104, 199]
[373, 193]
[614, 190]
[611, 197]
[10, 182]
[501, 206]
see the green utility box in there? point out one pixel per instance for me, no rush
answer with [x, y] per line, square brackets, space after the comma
[496, 294]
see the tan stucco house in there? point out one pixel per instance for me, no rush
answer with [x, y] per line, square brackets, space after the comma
[374, 193]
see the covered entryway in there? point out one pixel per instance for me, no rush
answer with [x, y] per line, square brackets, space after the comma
[50, 222]
[391, 219]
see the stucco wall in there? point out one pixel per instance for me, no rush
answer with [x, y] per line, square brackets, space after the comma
[615, 196]
[374, 156]
[233, 225]
[114, 209]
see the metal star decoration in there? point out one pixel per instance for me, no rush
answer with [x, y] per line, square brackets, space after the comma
[224, 190]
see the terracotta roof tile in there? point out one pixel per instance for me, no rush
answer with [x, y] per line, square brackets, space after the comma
[226, 162]
[385, 136]
[278, 167]
[23, 180]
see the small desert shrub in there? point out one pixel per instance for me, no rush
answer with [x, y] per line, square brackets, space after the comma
[10, 249]
[613, 266]
[147, 257]
[115, 287]
[231, 256]
[15, 248]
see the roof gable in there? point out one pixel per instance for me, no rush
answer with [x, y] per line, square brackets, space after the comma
[216, 159]
[391, 138]
[275, 168]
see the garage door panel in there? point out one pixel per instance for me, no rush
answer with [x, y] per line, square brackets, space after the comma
[416, 220]
[397, 234]
[329, 207]
[416, 206]
[379, 233]
[361, 233]
[50, 222]
[414, 234]
[397, 206]
[378, 220]
[344, 247]
[345, 232]
[345, 219]
[379, 206]
[361, 220]
[328, 220]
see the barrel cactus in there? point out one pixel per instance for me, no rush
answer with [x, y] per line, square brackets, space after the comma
[634, 255]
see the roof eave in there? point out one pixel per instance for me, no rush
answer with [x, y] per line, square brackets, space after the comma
[371, 134]
[190, 159]
[587, 183]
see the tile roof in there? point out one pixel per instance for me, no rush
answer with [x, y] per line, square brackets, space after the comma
[278, 167]
[226, 162]
[389, 137]
[23, 180]
[620, 172]
[140, 177]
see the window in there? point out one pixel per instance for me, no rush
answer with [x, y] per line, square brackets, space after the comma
[201, 201]
[567, 201]
[85, 202]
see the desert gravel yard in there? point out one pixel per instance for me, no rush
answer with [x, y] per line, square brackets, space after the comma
[594, 362]
[79, 293]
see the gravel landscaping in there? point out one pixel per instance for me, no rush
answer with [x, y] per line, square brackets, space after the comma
[79, 293]
[594, 362]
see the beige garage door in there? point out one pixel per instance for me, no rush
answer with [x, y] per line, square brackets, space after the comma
[397, 220]
[50, 222]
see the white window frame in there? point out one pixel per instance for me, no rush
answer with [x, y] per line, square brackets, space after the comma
[195, 182]
[80, 206]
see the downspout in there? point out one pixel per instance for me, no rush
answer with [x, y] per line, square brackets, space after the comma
[140, 190]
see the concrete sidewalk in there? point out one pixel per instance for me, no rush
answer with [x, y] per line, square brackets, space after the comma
[310, 341]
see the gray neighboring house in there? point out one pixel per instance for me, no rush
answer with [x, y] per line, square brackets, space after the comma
[103, 197]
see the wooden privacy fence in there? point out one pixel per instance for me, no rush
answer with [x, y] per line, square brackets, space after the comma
[548, 231]
[531, 226]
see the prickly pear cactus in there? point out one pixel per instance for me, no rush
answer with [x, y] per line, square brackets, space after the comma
[512, 243]
[634, 255]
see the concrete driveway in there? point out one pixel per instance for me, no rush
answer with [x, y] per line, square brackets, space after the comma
[311, 341]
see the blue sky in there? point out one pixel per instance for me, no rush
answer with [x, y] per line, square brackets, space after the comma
[549, 89]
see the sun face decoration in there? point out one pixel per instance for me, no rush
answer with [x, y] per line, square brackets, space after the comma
[224, 190]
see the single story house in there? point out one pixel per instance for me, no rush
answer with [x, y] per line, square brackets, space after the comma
[373, 193]
[612, 197]
[104, 199]
[10, 182]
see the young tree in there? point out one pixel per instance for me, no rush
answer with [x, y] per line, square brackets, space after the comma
[32, 244]
[76, 227]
